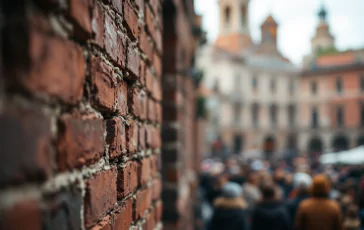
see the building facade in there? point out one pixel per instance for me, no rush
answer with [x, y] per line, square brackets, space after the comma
[252, 87]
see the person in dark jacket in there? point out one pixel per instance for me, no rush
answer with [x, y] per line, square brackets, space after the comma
[229, 209]
[270, 213]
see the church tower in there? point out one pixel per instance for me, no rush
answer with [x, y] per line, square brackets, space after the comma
[234, 34]
[269, 34]
[323, 39]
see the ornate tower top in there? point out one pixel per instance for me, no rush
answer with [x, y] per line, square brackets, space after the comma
[269, 32]
[234, 32]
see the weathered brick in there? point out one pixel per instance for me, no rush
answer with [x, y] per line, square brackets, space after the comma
[159, 41]
[142, 202]
[25, 215]
[116, 137]
[25, 140]
[79, 11]
[115, 43]
[118, 5]
[149, 224]
[154, 168]
[155, 6]
[132, 137]
[149, 20]
[122, 98]
[158, 112]
[158, 211]
[47, 76]
[131, 19]
[127, 179]
[140, 5]
[144, 171]
[81, 140]
[145, 45]
[157, 64]
[142, 73]
[133, 63]
[151, 110]
[124, 216]
[149, 81]
[100, 195]
[104, 224]
[153, 137]
[103, 84]
[138, 103]
[157, 188]
[98, 25]
[142, 137]
[63, 209]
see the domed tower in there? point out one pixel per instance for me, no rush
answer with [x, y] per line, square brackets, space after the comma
[323, 39]
[234, 34]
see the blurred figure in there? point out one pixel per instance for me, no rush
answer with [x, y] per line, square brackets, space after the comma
[351, 220]
[270, 213]
[251, 191]
[319, 212]
[301, 182]
[218, 183]
[229, 209]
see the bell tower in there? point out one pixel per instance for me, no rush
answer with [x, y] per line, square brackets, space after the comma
[234, 34]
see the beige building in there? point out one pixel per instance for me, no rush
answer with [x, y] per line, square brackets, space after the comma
[252, 88]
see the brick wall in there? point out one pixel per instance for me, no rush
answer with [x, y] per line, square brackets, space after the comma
[80, 114]
[179, 118]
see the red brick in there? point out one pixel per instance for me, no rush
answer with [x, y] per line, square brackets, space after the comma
[81, 140]
[47, 76]
[132, 137]
[151, 110]
[159, 41]
[150, 81]
[143, 201]
[158, 112]
[133, 63]
[144, 172]
[158, 211]
[154, 165]
[140, 5]
[131, 19]
[153, 137]
[118, 5]
[115, 43]
[103, 84]
[63, 209]
[122, 98]
[145, 45]
[149, 20]
[98, 21]
[157, 188]
[25, 144]
[100, 195]
[127, 179]
[142, 136]
[25, 215]
[124, 216]
[138, 103]
[157, 65]
[142, 73]
[155, 6]
[149, 224]
[116, 137]
[104, 224]
[80, 13]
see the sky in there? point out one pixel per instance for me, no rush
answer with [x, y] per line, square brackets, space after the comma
[297, 21]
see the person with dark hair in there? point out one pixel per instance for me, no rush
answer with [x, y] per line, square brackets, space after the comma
[270, 213]
[229, 209]
[319, 212]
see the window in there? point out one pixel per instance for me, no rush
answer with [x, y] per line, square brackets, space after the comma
[314, 118]
[227, 16]
[291, 115]
[291, 87]
[362, 83]
[340, 116]
[254, 82]
[243, 15]
[273, 86]
[255, 115]
[273, 115]
[313, 87]
[338, 85]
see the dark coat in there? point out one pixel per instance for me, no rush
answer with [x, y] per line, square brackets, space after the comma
[292, 206]
[270, 215]
[229, 214]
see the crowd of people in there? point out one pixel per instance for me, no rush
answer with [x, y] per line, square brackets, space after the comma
[262, 195]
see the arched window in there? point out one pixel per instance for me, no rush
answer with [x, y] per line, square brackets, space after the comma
[227, 15]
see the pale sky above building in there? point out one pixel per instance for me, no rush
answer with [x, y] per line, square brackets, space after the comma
[297, 21]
